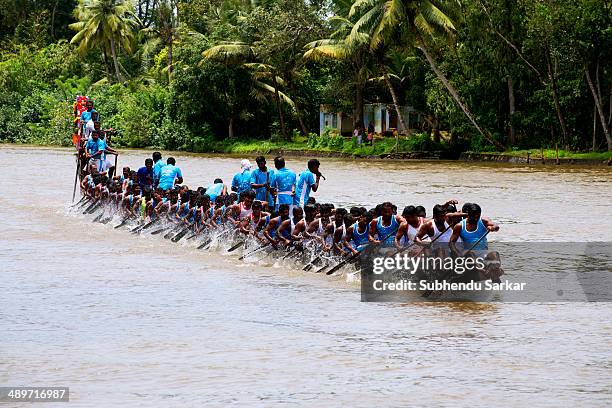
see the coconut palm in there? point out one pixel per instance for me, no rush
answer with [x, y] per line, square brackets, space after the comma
[356, 53]
[412, 24]
[109, 24]
[244, 55]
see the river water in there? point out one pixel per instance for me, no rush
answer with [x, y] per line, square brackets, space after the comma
[126, 321]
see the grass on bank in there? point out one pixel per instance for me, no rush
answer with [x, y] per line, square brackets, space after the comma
[326, 143]
[563, 154]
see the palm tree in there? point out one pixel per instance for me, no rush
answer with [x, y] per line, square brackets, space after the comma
[242, 54]
[356, 53]
[409, 24]
[108, 24]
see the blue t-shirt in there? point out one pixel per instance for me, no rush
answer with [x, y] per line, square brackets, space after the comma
[86, 116]
[242, 182]
[145, 178]
[303, 186]
[214, 190]
[157, 171]
[284, 180]
[261, 177]
[93, 146]
[168, 173]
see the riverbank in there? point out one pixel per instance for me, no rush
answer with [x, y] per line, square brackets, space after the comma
[383, 149]
[544, 157]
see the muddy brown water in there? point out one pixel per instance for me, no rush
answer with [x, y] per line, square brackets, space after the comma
[144, 322]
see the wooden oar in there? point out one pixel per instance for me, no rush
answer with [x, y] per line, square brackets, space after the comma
[428, 293]
[181, 234]
[123, 221]
[98, 217]
[206, 243]
[355, 256]
[159, 231]
[289, 253]
[235, 247]
[92, 205]
[79, 202]
[76, 176]
[143, 227]
[172, 231]
[342, 263]
[477, 242]
[254, 251]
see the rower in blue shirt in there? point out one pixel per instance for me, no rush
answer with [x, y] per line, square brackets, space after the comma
[242, 181]
[307, 181]
[158, 164]
[261, 180]
[170, 175]
[284, 183]
[216, 189]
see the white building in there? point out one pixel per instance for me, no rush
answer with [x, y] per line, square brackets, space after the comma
[382, 115]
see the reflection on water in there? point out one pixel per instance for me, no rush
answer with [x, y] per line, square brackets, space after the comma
[126, 321]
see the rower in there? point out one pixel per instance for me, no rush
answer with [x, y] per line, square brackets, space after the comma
[317, 228]
[385, 227]
[336, 233]
[438, 228]
[256, 221]
[409, 228]
[270, 231]
[358, 235]
[473, 229]
[158, 164]
[310, 212]
[170, 175]
[286, 229]
[216, 189]
[242, 210]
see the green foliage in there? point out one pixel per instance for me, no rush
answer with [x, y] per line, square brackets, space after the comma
[497, 48]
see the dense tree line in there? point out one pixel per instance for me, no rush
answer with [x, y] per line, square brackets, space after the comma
[180, 74]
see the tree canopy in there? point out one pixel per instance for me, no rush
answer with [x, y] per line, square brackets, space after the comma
[178, 74]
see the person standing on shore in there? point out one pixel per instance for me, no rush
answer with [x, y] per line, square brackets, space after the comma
[261, 180]
[284, 183]
[308, 181]
[371, 130]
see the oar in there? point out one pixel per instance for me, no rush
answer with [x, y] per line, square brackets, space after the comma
[79, 202]
[95, 208]
[143, 227]
[289, 253]
[235, 247]
[355, 256]
[76, 176]
[172, 231]
[181, 234]
[206, 243]
[123, 222]
[159, 230]
[254, 251]
[476, 243]
[92, 205]
[429, 292]
[98, 217]
[84, 203]
[342, 263]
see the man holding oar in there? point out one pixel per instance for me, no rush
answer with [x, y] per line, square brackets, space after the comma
[284, 183]
[307, 182]
[262, 179]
